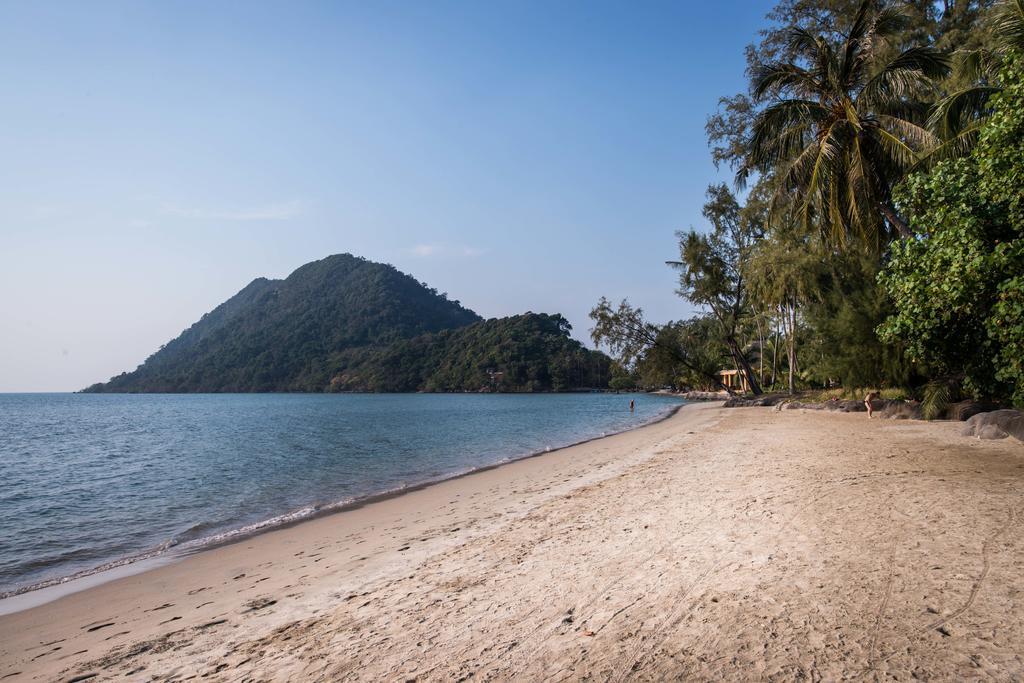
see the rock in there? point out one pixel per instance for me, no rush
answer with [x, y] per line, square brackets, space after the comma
[965, 410]
[899, 410]
[756, 401]
[997, 424]
[991, 433]
[797, 405]
[705, 395]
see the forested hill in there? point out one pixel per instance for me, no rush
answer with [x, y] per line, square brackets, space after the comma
[347, 324]
[523, 353]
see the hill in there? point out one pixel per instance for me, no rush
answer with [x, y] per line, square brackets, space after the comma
[348, 324]
[523, 353]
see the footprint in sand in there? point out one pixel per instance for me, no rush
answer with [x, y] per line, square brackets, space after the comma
[211, 624]
[258, 604]
[94, 626]
[163, 606]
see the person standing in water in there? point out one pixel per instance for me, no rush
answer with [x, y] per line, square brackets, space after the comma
[631, 405]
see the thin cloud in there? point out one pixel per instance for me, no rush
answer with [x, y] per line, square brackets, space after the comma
[424, 250]
[437, 250]
[283, 211]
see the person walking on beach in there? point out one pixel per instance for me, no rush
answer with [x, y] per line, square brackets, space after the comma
[872, 395]
[631, 405]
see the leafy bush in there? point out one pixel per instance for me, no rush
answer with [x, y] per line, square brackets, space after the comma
[958, 288]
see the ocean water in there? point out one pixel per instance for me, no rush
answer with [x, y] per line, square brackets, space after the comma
[88, 480]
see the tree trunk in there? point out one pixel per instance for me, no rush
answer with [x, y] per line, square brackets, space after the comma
[789, 325]
[744, 365]
[775, 355]
[760, 348]
[894, 219]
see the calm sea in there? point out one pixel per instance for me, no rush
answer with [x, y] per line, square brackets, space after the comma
[92, 480]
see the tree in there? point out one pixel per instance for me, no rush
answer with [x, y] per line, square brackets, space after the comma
[959, 288]
[711, 274]
[631, 338]
[845, 124]
[959, 116]
[781, 271]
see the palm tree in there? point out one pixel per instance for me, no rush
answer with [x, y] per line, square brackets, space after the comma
[957, 119]
[845, 124]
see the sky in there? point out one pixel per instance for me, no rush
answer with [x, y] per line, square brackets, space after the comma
[521, 156]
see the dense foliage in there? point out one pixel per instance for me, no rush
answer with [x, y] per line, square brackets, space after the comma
[302, 334]
[881, 141]
[959, 288]
[524, 353]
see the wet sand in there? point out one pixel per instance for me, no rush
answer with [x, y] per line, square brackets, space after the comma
[744, 543]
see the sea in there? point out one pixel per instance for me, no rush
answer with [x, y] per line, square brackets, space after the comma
[94, 481]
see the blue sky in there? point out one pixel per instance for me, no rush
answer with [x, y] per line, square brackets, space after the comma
[156, 157]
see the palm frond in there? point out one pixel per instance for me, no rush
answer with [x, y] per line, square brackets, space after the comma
[936, 399]
[778, 77]
[801, 42]
[890, 21]
[855, 46]
[895, 149]
[860, 27]
[782, 130]
[906, 75]
[1008, 23]
[857, 194]
[956, 147]
[959, 110]
[975, 66]
[917, 137]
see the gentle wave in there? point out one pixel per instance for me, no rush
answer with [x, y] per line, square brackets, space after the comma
[209, 533]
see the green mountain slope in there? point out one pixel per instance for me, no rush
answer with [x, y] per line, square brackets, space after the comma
[347, 324]
[523, 353]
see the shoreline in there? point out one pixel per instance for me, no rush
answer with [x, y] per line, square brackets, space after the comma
[714, 545]
[147, 560]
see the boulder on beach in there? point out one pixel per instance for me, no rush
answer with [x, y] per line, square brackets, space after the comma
[705, 395]
[899, 410]
[997, 424]
[965, 410]
[756, 401]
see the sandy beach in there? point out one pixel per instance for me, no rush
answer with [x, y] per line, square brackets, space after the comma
[738, 544]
